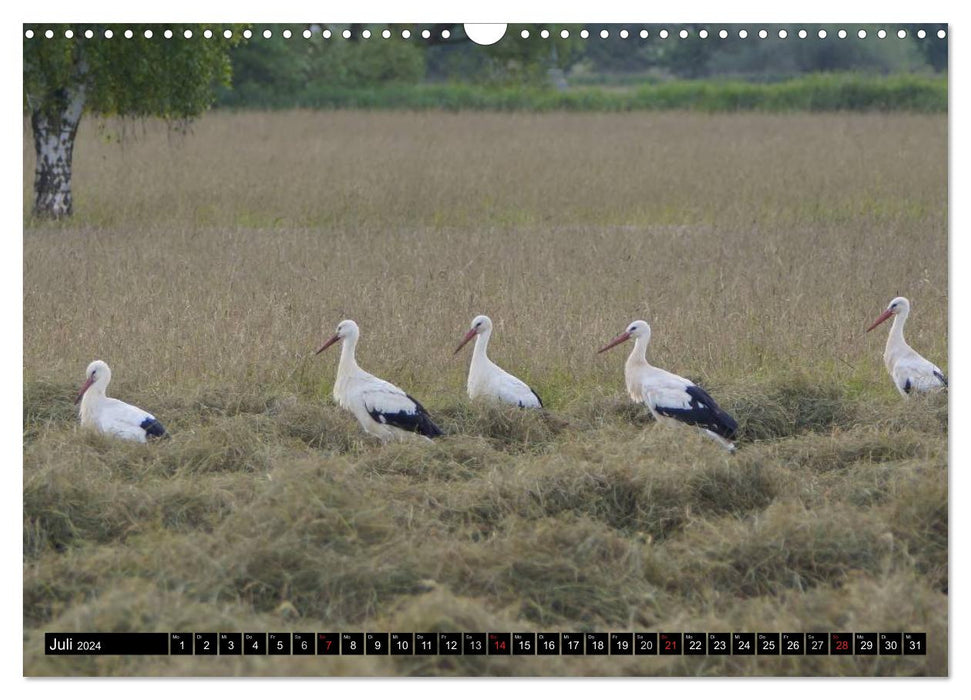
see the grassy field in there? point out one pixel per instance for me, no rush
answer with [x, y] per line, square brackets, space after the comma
[206, 269]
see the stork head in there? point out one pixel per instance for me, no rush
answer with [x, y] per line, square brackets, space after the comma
[899, 306]
[480, 324]
[345, 329]
[637, 329]
[98, 373]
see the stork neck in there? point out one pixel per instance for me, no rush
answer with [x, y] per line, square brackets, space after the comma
[638, 356]
[896, 337]
[98, 389]
[348, 363]
[93, 397]
[481, 346]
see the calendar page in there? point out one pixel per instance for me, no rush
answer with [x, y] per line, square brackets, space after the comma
[430, 349]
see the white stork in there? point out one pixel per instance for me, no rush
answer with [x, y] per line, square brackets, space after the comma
[909, 371]
[111, 416]
[382, 409]
[486, 378]
[669, 397]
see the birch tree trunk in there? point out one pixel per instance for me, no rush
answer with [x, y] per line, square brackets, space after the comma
[54, 134]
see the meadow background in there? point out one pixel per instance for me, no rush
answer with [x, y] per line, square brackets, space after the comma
[207, 267]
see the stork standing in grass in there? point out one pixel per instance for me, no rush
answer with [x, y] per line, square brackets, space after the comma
[382, 409]
[488, 380]
[111, 416]
[671, 398]
[910, 372]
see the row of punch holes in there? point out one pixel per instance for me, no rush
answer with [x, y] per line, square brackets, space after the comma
[326, 33]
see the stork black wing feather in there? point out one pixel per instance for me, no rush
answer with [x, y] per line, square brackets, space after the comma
[703, 412]
[153, 428]
[417, 421]
[537, 398]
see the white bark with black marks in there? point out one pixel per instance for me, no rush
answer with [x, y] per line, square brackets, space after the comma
[54, 146]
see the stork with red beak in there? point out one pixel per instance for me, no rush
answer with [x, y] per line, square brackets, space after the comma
[111, 416]
[910, 372]
[489, 381]
[382, 409]
[670, 398]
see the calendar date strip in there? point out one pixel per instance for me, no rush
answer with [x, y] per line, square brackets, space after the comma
[486, 643]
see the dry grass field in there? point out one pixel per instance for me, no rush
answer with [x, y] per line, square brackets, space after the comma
[206, 268]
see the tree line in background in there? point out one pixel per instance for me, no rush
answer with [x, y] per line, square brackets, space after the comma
[280, 72]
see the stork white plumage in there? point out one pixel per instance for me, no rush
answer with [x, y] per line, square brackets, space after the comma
[910, 372]
[111, 416]
[382, 409]
[488, 380]
[671, 398]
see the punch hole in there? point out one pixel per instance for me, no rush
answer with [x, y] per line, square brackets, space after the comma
[129, 33]
[941, 34]
[643, 33]
[247, 34]
[445, 34]
[564, 34]
[524, 34]
[424, 34]
[307, 33]
[29, 34]
[763, 34]
[148, 34]
[207, 34]
[723, 34]
[921, 33]
[386, 34]
[623, 34]
[367, 33]
[347, 33]
[683, 33]
[286, 34]
[267, 33]
[545, 34]
[663, 34]
[742, 34]
[405, 33]
[803, 33]
[227, 34]
[861, 33]
[841, 33]
[109, 34]
[604, 33]
[68, 34]
[902, 34]
[783, 33]
[88, 34]
[821, 33]
[167, 33]
[584, 34]
[327, 34]
[882, 34]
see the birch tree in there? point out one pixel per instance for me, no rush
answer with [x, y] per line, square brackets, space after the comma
[126, 70]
